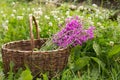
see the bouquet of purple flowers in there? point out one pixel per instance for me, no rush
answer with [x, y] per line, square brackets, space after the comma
[72, 34]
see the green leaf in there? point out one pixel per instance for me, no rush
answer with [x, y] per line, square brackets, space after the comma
[2, 76]
[1, 64]
[11, 65]
[76, 78]
[76, 52]
[17, 75]
[26, 75]
[10, 73]
[115, 50]
[80, 63]
[45, 77]
[66, 75]
[96, 48]
[94, 74]
[38, 79]
[99, 62]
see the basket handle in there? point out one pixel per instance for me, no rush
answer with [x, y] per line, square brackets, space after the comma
[31, 19]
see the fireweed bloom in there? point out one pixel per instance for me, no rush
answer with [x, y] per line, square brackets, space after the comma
[73, 33]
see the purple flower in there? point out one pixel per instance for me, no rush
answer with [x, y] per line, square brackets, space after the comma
[90, 32]
[73, 33]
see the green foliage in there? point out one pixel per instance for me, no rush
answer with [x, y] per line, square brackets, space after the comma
[80, 63]
[75, 52]
[10, 73]
[1, 73]
[115, 50]
[98, 59]
[97, 48]
[26, 75]
[45, 77]
[66, 75]
[94, 74]
[99, 62]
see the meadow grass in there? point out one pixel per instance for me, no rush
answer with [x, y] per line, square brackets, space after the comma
[97, 59]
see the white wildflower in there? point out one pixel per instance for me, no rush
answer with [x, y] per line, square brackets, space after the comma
[37, 17]
[38, 13]
[46, 3]
[62, 17]
[99, 24]
[7, 21]
[94, 5]
[104, 10]
[39, 9]
[69, 16]
[98, 11]
[30, 15]
[102, 27]
[12, 15]
[67, 13]
[111, 43]
[80, 7]
[58, 19]
[91, 22]
[1, 12]
[96, 15]
[24, 9]
[54, 12]
[19, 17]
[89, 18]
[81, 17]
[13, 3]
[28, 9]
[14, 11]
[101, 17]
[73, 6]
[55, 16]
[61, 22]
[4, 15]
[85, 8]
[50, 24]
[5, 26]
[88, 9]
[33, 9]
[47, 17]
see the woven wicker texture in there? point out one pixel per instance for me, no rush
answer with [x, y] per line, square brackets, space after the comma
[21, 53]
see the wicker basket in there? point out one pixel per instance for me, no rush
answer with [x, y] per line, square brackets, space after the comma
[21, 53]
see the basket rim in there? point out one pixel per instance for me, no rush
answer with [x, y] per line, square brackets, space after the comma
[43, 52]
